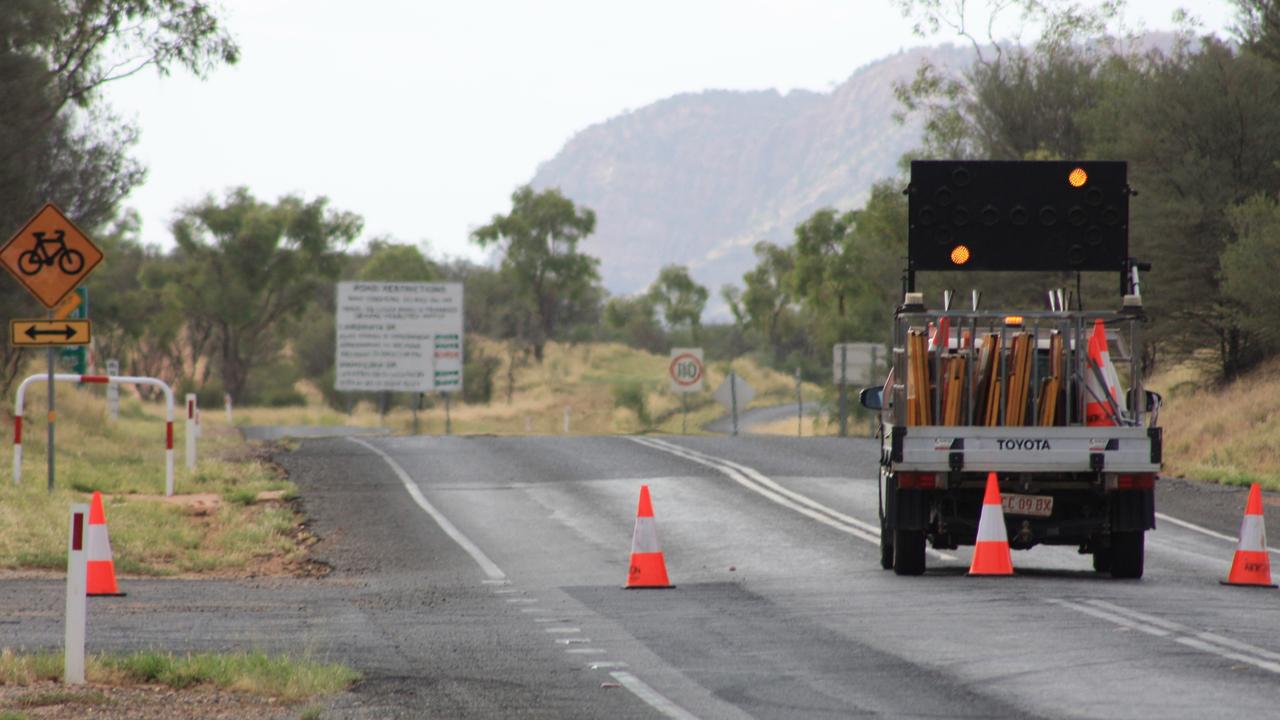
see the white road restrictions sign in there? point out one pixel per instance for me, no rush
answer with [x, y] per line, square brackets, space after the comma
[860, 363]
[686, 370]
[399, 337]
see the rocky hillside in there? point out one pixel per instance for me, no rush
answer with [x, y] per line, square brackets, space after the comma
[698, 179]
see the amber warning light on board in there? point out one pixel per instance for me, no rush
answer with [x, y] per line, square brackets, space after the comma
[1078, 177]
[960, 255]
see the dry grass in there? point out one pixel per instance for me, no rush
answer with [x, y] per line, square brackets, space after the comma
[125, 461]
[1227, 434]
[579, 377]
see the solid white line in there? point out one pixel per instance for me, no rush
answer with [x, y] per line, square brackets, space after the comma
[1193, 526]
[585, 651]
[490, 569]
[651, 697]
[562, 630]
[1204, 530]
[757, 482]
[1202, 641]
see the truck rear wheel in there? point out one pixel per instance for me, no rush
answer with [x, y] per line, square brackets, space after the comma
[1127, 551]
[908, 552]
[886, 546]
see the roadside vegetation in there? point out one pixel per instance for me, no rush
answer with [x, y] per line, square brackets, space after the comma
[286, 678]
[1222, 433]
[228, 516]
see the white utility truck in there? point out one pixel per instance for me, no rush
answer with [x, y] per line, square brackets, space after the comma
[1050, 400]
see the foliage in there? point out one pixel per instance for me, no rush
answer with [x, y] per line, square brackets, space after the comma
[539, 243]
[680, 299]
[393, 262]
[633, 396]
[1250, 266]
[249, 265]
[634, 320]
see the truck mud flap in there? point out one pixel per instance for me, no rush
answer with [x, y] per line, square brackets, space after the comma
[1132, 510]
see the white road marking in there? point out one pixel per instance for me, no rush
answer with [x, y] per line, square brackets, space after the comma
[651, 697]
[572, 641]
[606, 664]
[562, 630]
[486, 565]
[1203, 641]
[497, 577]
[1202, 530]
[757, 482]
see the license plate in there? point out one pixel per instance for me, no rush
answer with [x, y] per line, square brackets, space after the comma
[1033, 505]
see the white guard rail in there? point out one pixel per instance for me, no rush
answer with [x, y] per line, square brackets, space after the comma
[100, 380]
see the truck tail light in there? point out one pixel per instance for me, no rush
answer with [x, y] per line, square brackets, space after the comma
[917, 481]
[1134, 481]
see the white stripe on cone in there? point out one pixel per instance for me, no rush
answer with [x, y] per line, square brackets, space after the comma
[645, 537]
[99, 543]
[991, 525]
[1253, 534]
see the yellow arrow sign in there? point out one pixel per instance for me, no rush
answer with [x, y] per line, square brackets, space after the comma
[67, 307]
[49, 332]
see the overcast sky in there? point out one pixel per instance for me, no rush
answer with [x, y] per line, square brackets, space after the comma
[423, 116]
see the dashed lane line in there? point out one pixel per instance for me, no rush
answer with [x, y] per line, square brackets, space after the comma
[495, 576]
[757, 482]
[650, 696]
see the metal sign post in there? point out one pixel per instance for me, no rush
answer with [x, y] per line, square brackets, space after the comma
[799, 407]
[53, 361]
[844, 394]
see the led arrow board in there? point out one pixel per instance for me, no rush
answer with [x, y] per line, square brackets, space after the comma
[1032, 215]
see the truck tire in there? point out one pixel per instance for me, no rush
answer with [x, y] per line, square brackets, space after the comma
[1127, 551]
[908, 552]
[886, 546]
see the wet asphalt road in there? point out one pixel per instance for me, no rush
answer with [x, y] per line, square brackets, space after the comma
[781, 610]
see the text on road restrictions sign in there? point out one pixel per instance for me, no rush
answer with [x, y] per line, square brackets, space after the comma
[50, 256]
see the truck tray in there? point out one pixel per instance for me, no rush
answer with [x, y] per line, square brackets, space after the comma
[938, 448]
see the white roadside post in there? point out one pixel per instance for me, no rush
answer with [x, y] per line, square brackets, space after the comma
[73, 670]
[226, 401]
[191, 431]
[113, 390]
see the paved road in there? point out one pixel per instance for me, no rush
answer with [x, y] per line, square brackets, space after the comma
[480, 577]
[782, 611]
[762, 416]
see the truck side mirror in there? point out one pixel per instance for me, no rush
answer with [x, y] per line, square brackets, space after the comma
[872, 398]
[1154, 401]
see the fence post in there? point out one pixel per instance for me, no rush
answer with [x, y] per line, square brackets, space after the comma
[191, 431]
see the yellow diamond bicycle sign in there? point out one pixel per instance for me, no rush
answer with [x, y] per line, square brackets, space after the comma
[50, 256]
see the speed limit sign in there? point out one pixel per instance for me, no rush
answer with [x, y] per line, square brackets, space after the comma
[686, 370]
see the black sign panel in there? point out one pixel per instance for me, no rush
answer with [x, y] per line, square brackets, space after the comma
[1032, 215]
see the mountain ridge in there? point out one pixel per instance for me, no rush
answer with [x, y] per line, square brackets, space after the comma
[699, 178]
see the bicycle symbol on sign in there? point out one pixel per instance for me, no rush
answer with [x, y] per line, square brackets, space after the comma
[48, 252]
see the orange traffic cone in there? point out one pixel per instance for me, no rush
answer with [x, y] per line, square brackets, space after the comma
[648, 568]
[101, 578]
[991, 551]
[1252, 564]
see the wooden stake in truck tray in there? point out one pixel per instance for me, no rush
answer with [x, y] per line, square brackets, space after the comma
[1051, 400]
